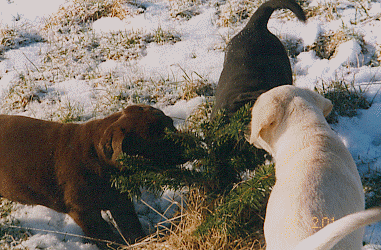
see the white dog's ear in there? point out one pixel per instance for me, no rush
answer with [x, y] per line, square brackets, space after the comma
[323, 103]
[264, 117]
[327, 107]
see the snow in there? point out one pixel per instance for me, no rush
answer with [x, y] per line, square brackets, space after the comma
[199, 51]
[75, 92]
[43, 218]
[198, 38]
[182, 109]
[109, 24]
[22, 58]
[27, 10]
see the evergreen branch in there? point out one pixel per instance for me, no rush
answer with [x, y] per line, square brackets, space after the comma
[243, 208]
[218, 151]
[218, 154]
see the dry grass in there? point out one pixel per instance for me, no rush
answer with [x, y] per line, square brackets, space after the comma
[346, 99]
[327, 10]
[9, 237]
[195, 85]
[13, 37]
[326, 44]
[185, 8]
[84, 11]
[234, 11]
[330, 10]
[72, 50]
[181, 236]
[371, 182]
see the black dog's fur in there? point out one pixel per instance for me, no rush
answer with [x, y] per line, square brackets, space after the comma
[255, 60]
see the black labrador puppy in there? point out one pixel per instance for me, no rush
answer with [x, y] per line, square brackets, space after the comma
[255, 60]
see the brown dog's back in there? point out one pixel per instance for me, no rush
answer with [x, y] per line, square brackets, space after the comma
[23, 176]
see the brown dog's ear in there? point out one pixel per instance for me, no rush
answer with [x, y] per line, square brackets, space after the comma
[266, 114]
[111, 144]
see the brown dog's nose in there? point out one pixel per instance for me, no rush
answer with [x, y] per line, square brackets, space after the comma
[148, 139]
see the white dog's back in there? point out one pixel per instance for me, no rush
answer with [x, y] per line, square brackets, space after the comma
[305, 200]
[317, 179]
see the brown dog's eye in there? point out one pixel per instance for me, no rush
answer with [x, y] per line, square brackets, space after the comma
[131, 144]
[156, 129]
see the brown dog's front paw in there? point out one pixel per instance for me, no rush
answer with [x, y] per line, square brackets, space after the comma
[103, 234]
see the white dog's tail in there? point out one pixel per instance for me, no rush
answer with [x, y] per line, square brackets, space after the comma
[327, 237]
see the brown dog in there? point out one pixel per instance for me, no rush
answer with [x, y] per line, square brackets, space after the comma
[65, 166]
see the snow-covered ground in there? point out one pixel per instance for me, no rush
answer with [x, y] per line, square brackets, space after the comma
[199, 54]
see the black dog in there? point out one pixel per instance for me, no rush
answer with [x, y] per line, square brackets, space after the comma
[255, 60]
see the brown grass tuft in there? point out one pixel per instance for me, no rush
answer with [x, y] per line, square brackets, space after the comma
[326, 44]
[84, 11]
[182, 235]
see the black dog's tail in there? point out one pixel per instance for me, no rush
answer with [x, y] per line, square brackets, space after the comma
[263, 13]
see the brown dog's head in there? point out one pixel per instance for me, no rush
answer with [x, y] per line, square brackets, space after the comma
[140, 130]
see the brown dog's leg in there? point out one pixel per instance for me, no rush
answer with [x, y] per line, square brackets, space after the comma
[123, 212]
[94, 226]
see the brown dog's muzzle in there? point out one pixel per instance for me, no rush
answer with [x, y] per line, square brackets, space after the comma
[142, 131]
[155, 145]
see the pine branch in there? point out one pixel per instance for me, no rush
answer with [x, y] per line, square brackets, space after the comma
[138, 172]
[218, 155]
[241, 212]
[217, 149]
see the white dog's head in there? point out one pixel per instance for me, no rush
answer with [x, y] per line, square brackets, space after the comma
[274, 107]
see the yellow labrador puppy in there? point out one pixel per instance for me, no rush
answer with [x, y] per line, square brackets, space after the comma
[317, 181]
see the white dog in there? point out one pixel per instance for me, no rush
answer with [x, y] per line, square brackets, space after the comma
[317, 181]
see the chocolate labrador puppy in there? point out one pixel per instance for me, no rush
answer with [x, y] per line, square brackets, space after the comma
[255, 60]
[66, 166]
